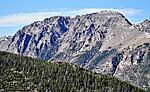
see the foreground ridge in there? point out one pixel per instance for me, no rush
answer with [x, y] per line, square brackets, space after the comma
[19, 73]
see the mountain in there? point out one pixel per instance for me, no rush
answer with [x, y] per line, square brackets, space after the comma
[18, 73]
[4, 41]
[103, 42]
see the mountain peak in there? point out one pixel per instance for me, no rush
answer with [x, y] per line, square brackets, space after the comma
[5, 38]
[53, 31]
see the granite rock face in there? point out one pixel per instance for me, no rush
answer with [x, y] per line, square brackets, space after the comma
[104, 42]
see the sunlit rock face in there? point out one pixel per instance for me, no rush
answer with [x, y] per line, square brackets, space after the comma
[104, 42]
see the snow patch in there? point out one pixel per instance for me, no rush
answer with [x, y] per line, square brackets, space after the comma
[147, 35]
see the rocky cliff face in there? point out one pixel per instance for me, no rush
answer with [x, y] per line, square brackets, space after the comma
[104, 42]
[135, 65]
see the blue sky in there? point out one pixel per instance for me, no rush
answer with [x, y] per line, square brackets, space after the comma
[17, 13]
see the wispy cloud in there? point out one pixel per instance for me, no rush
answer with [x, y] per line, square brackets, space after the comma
[26, 18]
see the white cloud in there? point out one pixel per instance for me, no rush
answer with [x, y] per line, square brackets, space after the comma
[26, 18]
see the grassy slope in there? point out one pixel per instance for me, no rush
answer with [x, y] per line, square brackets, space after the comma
[27, 74]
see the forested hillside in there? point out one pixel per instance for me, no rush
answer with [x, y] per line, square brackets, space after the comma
[19, 73]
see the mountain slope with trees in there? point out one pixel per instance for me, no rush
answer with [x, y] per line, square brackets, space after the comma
[19, 73]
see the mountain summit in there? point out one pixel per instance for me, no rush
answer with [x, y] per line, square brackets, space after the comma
[104, 42]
